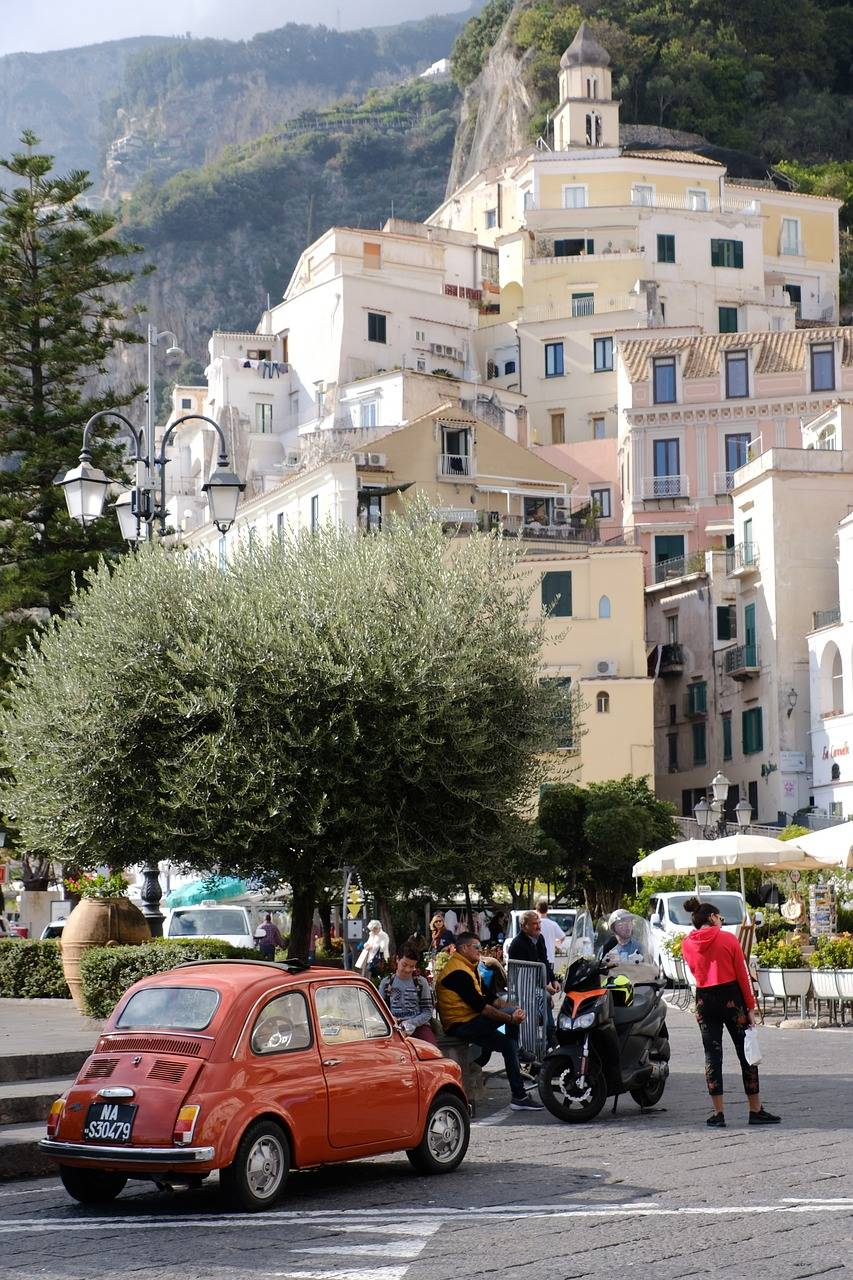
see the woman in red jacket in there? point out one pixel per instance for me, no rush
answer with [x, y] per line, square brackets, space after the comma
[724, 998]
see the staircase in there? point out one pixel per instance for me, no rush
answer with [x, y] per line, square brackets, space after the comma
[29, 1083]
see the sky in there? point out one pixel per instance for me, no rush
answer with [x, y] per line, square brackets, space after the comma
[63, 24]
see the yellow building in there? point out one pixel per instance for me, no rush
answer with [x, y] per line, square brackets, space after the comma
[591, 238]
[476, 476]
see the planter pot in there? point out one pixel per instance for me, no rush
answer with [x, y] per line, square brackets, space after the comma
[844, 978]
[824, 984]
[95, 922]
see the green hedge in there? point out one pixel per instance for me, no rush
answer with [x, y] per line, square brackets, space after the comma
[107, 972]
[31, 970]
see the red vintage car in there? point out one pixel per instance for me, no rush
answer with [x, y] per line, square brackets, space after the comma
[252, 1068]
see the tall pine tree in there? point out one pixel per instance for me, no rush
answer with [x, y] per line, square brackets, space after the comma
[60, 265]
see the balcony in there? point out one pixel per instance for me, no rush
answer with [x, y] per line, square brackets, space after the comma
[672, 660]
[742, 560]
[741, 661]
[825, 618]
[654, 487]
[677, 567]
[583, 306]
[452, 466]
[724, 481]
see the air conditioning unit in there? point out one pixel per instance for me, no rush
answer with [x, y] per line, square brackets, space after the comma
[436, 348]
[376, 459]
[360, 459]
[561, 503]
[606, 667]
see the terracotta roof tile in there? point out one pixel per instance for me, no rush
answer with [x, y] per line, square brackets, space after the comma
[784, 351]
[672, 157]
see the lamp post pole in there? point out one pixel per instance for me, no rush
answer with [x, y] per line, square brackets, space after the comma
[711, 816]
[142, 510]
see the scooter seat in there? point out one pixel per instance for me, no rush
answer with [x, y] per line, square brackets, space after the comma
[644, 998]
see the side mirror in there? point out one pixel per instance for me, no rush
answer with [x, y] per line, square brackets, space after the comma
[656, 924]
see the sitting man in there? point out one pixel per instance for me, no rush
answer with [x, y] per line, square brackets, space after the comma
[529, 944]
[408, 997]
[466, 1015]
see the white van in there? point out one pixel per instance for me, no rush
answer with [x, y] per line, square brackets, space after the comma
[220, 920]
[668, 917]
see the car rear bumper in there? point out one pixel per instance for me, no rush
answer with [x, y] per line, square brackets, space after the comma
[153, 1156]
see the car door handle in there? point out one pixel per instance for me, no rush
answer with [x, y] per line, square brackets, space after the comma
[332, 1062]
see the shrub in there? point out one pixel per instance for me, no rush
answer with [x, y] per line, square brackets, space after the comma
[32, 970]
[844, 919]
[673, 946]
[779, 955]
[773, 924]
[833, 953]
[334, 952]
[107, 972]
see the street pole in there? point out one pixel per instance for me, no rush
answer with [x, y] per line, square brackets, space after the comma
[348, 874]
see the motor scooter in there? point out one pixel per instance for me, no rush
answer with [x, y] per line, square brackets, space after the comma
[611, 1029]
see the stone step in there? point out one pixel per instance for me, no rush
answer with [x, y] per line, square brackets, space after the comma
[20, 1156]
[26, 1101]
[52, 1065]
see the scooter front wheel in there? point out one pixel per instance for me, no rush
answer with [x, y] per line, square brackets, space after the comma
[565, 1096]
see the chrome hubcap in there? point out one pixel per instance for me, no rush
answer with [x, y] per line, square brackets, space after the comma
[265, 1167]
[445, 1135]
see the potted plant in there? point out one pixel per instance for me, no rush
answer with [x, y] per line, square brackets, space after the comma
[782, 972]
[103, 915]
[832, 969]
[673, 963]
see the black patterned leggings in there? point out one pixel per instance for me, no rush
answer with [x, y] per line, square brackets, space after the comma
[718, 1007]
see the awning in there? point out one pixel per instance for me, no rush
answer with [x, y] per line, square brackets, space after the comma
[383, 490]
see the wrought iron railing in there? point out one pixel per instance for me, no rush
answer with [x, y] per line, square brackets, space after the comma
[742, 558]
[741, 657]
[825, 618]
[666, 487]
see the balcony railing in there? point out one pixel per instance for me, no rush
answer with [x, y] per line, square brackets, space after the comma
[742, 559]
[567, 310]
[455, 464]
[658, 200]
[677, 567]
[825, 618]
[583, 306]
[672, 660]
[666, 487]
[724, 481]
[741, 661]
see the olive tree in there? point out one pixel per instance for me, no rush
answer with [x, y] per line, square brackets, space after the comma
[333, 699]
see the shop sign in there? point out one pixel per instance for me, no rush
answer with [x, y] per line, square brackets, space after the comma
[792, 761]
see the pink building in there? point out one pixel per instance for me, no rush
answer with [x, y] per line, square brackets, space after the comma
[692, 409]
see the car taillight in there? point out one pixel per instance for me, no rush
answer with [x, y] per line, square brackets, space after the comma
[185, 1125]
[54, 1119]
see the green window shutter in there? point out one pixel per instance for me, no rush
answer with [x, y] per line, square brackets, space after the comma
[727, 737]
[738, 253]
[716, 253]
[759, 729]
[723, 628]
[699, 751]
[590, 246]
[557, 594]
[753, 731]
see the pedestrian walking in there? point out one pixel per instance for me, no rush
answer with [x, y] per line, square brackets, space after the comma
[551, 931]
[467, 1015]
[375, 952]
[409, 998]
[724, 998]
[268, 937]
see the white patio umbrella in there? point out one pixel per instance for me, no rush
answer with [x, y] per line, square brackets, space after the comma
[689, 857]
[831, 847]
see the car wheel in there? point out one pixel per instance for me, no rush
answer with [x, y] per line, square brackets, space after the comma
[446, 1135]
[564, 1097]
[91, 1186]
[255, 1179]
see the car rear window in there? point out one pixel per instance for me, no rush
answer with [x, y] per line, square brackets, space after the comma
[167, 1008]
[212, 920]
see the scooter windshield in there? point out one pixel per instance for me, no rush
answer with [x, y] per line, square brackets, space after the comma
[582, 942]
[624, 942]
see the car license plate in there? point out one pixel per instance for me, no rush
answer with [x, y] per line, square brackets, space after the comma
[109, 1122]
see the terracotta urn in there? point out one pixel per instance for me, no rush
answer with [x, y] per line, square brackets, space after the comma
[97, 922]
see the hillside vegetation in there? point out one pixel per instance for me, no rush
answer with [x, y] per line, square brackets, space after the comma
[767, 76]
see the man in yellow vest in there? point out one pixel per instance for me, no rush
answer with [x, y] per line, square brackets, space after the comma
[466, 1015]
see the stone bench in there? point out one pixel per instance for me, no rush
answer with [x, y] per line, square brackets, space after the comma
[472, 1073]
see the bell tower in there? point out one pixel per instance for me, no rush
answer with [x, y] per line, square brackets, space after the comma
[587, 115]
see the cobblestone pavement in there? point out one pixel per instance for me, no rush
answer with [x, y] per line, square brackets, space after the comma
[655, 1193]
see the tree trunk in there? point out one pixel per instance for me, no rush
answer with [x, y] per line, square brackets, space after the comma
[383, 907]
[324, 910]
[302, 918]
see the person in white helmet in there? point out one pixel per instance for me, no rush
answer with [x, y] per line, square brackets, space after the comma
[627, 949]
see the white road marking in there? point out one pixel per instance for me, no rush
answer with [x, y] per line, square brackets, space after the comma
[375, 1273]
[497, 1118]
[843, 1201]
[388, 1249]
[393, 1229]
[337, 1219]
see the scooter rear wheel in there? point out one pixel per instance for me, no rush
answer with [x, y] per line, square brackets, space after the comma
[651, 1094]
[564, 1098]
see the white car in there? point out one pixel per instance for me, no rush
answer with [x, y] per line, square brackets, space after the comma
[668, 918]
[218, 920]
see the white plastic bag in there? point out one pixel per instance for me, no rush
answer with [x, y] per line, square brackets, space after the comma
[751, 1047]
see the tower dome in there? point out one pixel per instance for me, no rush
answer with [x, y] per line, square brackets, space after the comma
[585, 51]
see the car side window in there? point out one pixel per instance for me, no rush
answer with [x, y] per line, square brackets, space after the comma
[339, 1014]
[375, 1023]
[282, 1026]
[346, 1014]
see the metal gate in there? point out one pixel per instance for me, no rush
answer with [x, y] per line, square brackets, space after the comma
[527, 987]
